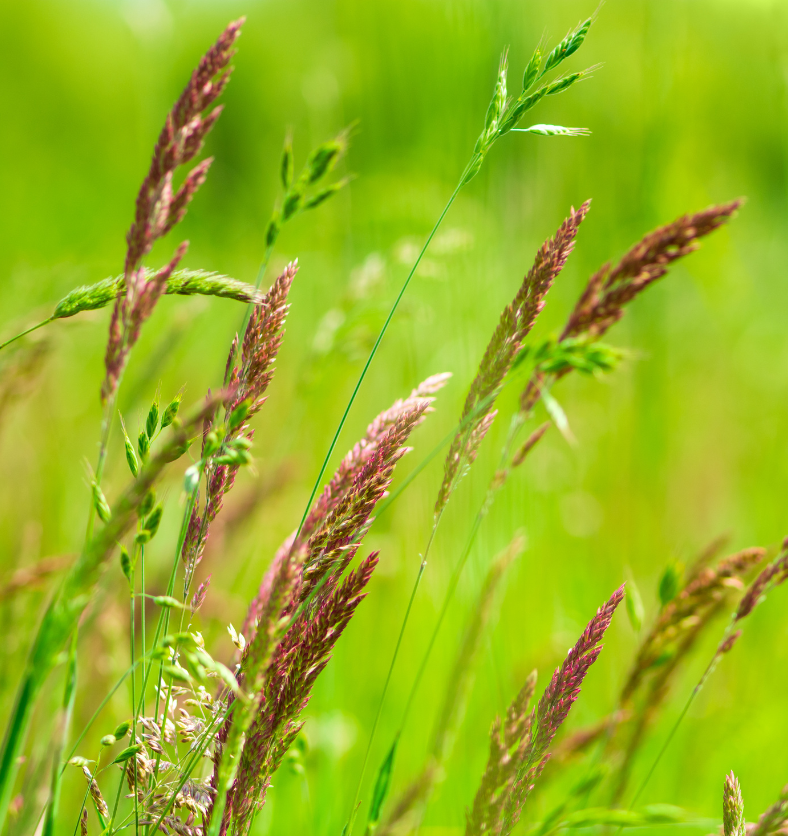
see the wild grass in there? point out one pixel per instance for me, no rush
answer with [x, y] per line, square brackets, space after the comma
[206, 738]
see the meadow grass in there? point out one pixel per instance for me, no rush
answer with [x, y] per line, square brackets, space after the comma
[206, 737]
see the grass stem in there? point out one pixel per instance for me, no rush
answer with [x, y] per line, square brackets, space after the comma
[373, 352]
[25, 333]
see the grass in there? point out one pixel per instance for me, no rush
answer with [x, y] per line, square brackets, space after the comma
[579, 500]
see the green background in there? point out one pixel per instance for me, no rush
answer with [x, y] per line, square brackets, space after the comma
[688, 440]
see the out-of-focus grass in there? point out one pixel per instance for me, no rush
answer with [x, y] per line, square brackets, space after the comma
[686, 441]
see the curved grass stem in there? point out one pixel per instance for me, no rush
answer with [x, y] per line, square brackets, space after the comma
[374, 351]
[26, 332]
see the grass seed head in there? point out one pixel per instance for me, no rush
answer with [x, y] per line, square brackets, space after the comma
[514, 325]
[171, 411]
[733, 823]
[152, 421]
[158, 210]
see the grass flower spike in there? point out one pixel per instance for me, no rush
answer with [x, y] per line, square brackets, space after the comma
[158, 209]
[733, 823]
[519, 747]
[515, 323]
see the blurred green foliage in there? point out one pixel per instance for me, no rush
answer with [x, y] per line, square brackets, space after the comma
[687, 440]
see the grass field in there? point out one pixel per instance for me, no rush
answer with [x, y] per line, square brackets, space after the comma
[686, 441]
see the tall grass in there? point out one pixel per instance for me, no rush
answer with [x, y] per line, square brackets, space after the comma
[205, 739]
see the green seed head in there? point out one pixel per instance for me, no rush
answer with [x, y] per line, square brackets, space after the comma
[238, 415]
[272, 233]
[154, 518]
[143, 445]
[171, 412]
[100, 503]
[212, 443]
[322, 160]
[292, 204]
[148, 501]
[191, 478]
[168, 602]
[127, 753]
[519, 109]
[125, 563]
[152, 422]
[561, 84]
[88, 298]
[122, 730]
[324, 194]
[568, 46]
[234, 458]
[577, 38]
[131, 457]
[495, 109]
[634, 605]
[108, 740]
[670, 582]
[176, 673]
[532, 70]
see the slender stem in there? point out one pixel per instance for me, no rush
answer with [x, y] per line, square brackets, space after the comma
[373, 352]
[695, 691]
[170, 586]
[133, 737]
[51, 809]
[106, 424]
[497, 482]
[378, 713]
[139, 556]
[25, 333]
[142, 618]
[258, 281]
[98, 711]
[79, 816]
[132, 654]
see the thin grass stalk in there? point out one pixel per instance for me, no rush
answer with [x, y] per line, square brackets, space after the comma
[389, 674]
[164, 613]
[493, 488]
[162, 625]
[26, 332]
[414, 799]
[702, 599]
[387, 766]
[373, 352]
[132, 655]
[69, 697]
[81, 809]
[479, 410]
[257, 282]
[96, 713]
